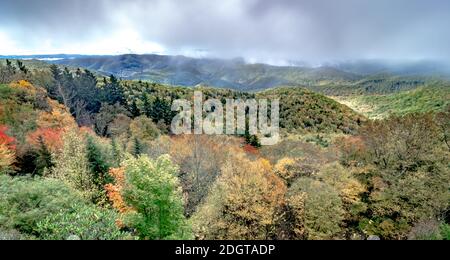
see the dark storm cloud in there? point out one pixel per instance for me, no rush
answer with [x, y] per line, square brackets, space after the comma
[312, 30]
[54, 18]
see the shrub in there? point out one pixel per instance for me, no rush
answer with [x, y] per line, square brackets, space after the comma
[24, 201]
[402, 143]
[87, 222]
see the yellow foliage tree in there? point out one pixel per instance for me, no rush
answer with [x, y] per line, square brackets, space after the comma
[285, 169]
[72, 165]
[6, 158]
[296, 219]
[244, 203]
[57, 119]
[25, 86]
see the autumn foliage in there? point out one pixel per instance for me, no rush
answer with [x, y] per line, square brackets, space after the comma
[24, 85]
[52, 138]
[7, 149]
[114, 191]
[5, 139]
[352, 148]
[250, 149]
[244, 203]
[55, 119]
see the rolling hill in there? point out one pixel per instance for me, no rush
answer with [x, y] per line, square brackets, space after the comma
[423, 99]
[301, 111]
[304, 111]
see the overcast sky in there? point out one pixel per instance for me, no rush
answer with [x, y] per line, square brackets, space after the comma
[258, 30]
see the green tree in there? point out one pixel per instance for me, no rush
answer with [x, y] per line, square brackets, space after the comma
[43, 160]
[10, 67]
[161, 110]
[134, 110]
[117, 153]
[113, 91]
[252, 140]
[22, 67]
[147, 106]
[153, 190]
[138, 147]
[98, 163]
[52, 89]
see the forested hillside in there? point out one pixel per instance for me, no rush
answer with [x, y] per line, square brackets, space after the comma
[304, 111]
[434, 97]
[87, 156]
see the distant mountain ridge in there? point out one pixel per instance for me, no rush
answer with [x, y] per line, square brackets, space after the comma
[185, 71]
[42, 56]
[369, 75]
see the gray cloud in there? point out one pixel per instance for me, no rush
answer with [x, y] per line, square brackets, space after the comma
[54, 18]
[311, 30]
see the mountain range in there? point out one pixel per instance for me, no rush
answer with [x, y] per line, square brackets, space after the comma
[362, 75]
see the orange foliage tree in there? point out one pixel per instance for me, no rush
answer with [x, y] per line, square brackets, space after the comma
[58, 118]
[114, 191]
[51, 127]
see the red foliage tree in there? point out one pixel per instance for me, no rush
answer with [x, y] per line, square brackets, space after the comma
[52, 138]
[7, 149]
[5, 139]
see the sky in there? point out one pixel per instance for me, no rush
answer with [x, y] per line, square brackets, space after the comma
[257, 30]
